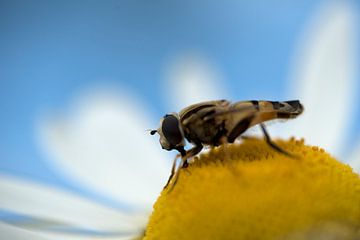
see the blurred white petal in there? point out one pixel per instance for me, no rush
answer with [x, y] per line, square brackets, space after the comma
[354, 158]
[44, 202]
[10, 232]
[324, 76]
[191, 78]
[103, 144]
[64, 236]
[15, 233]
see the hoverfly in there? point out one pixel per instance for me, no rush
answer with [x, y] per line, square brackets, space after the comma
[218, 122]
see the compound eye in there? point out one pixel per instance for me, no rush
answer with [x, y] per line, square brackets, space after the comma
[170, 129]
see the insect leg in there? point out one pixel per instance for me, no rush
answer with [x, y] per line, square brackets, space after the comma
[189, 154]
[272, 144]
[184, 164]
[172, 170]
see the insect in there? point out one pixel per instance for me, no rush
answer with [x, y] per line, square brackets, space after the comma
[218, 122]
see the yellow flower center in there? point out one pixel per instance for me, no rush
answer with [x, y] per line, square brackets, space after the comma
[249, 191]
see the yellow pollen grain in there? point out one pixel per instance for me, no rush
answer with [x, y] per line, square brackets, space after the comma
[249, 191]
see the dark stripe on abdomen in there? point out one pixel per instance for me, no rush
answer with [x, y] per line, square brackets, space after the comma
[277, 105]
[239, 129]
[285, 115]
[295, 104]
[256, 104]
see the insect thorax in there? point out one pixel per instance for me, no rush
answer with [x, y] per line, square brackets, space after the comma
[205, 132]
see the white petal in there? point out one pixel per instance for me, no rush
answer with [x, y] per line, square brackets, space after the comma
[40, 201]
[191, 78]
[64, 236]
[15, 233]
[103, 144]
[324, 76]
[354, 158]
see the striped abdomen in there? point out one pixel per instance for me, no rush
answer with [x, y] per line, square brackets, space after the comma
[246, 114]
[283, 110]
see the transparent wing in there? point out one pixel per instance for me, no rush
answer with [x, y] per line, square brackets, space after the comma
[243, 110]
[101, 142]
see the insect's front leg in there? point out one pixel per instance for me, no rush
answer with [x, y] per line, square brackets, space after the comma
[184, 164]
[172, 170]
[189, 154]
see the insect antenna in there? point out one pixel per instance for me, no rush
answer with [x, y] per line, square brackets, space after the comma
[152, 132]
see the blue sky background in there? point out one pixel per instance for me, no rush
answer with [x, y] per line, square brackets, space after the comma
[49, 51]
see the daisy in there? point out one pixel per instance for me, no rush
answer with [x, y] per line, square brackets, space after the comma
[101, 143]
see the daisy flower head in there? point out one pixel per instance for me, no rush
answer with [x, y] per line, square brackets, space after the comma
[248, 191]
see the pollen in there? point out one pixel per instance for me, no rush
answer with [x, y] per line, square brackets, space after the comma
[249, 191]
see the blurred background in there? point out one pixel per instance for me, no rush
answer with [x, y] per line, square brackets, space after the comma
[82, 81]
